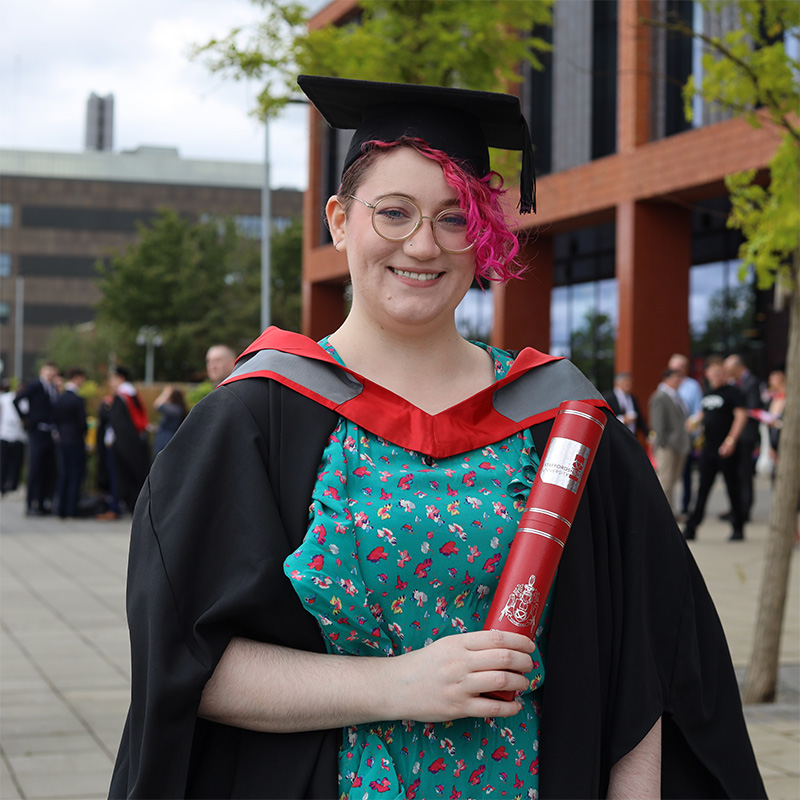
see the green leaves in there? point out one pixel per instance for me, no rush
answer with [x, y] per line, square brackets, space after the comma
[476, 45]
[748, 71]
[769, 216]
[198, 282]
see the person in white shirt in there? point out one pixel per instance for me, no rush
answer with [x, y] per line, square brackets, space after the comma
[624, 404]
[12, 440]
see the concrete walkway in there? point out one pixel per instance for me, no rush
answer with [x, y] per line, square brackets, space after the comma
[64, 673]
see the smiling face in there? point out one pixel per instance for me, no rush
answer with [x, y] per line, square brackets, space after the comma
[411, 284]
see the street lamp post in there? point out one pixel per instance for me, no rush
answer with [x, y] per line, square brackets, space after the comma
[150, 337]
[266, 236]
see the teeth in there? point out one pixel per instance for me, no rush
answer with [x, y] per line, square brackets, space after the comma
[417, 276]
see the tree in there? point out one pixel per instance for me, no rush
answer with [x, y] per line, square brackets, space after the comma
[90, 346]
[476, 45]
[748, 71]
[198, 282]
[286, 275]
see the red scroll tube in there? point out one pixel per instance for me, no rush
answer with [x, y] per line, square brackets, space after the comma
[543, 529]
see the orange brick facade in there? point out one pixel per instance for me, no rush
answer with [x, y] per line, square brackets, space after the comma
[646, 188]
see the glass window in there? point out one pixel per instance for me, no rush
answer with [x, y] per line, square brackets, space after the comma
[249, 225]
[583, 303]
[280, 224]
[583, 327]
[5, 265]
[475, 314]
[540, 104]
[722, 310]
[5, 312]
[680, 57]
[6, 215]
[560, 322]
[604, 78]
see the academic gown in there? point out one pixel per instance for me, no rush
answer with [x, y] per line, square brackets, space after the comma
[634, 634]
[130, 449]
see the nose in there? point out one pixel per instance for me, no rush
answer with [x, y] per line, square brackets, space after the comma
[422, 244]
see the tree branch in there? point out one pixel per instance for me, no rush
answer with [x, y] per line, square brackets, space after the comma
[773, 103]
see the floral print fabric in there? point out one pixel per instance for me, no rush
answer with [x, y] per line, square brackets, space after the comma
[402, 550]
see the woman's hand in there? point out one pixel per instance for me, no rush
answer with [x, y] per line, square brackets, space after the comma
[448, 678]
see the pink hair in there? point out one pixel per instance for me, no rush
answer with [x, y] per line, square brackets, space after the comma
[496, 246]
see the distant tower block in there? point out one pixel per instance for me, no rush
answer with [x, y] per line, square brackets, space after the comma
[100, 122]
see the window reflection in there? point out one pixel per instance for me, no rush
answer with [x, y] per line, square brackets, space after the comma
[722, 309]
[475, 314]
[583, 303]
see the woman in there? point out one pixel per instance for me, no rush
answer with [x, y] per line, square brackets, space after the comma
[171, 405]
[307, 601]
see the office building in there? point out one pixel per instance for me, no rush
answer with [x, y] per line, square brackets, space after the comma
[629, 256]
[61, 212]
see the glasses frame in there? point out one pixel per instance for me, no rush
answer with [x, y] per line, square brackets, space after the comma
[433, 221]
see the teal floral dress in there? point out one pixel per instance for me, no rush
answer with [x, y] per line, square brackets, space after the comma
[402, 550]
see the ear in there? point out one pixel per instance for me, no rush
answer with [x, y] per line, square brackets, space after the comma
[337, 220]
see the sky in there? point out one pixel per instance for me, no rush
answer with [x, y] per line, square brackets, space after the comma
[55, 53]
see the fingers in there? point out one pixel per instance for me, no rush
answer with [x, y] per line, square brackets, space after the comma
[483, 640]
[501, 660]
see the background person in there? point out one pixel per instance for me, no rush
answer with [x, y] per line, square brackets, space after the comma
[35, 403]
[69, 416]
[747, 444]
[171, 405]
[105, 471]
[220, 361]
[669, 434]
[624, 404]
[126, 435]
[691, 392]
[12, 440]
[275, 648]
[723, 417]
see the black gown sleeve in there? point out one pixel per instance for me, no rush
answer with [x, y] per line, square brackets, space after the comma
[225, 503]
[634, 637]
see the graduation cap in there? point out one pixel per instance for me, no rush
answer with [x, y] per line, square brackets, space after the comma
[460, 122]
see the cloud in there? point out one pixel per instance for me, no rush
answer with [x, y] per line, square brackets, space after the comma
[54, 54]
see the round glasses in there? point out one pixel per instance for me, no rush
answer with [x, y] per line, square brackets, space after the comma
[396, 218]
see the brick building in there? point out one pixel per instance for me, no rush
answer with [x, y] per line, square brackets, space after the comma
[61, 212]
[630, 230]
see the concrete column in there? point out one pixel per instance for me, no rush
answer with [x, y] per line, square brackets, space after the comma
[323, 308]
[634, 79]
[522, 307]
[653, 257]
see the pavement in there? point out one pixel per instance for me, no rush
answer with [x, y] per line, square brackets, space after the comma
[65, 673]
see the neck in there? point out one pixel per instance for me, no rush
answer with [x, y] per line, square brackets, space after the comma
[433, 369]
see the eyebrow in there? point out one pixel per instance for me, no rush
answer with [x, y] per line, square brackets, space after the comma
[451, 202]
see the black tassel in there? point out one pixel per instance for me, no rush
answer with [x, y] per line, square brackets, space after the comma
[527, 176]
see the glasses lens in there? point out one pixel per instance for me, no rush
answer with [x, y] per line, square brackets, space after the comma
[451, 230]
[395, 217]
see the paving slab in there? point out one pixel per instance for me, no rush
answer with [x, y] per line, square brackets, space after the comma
[64, 658]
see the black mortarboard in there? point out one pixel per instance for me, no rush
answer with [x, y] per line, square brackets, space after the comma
[460, 122]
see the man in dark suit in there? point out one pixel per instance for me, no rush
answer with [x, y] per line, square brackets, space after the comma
[625, 405]
[749, 385]
[35, 406]
[70, 421]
